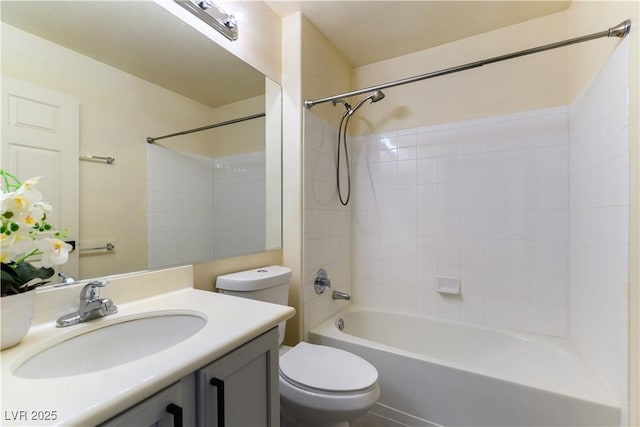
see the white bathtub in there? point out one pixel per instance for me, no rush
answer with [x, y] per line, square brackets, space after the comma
[455, 374]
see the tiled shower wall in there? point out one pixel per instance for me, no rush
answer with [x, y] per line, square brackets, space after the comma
[599, 221]
[239, 208]
[179, 207]
[201, 208]
[327, 224]
[484, 201]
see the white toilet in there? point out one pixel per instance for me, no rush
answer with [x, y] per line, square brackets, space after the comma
[319, 385]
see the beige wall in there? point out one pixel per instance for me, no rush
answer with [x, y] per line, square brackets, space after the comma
[241, 138]
[273, 109]
[528, 83]
[292, 166]
[325, 71]
[251, 132]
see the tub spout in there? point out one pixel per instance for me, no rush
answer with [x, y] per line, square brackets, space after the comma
[341, 295]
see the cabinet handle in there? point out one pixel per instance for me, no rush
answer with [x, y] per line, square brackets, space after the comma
[219, 385]
[176, 411]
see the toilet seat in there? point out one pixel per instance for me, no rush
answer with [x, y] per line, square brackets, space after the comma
[323, 369]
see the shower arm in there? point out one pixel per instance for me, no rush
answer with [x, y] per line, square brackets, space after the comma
[358, 105]
[621, 30]
[347, 106]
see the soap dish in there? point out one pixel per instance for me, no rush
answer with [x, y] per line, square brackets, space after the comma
[448, 285]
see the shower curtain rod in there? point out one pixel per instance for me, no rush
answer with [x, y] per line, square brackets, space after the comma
[151, 140]
[620, 30]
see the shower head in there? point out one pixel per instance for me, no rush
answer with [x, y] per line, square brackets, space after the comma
[377, 96]
[342, 139]
[374, 97]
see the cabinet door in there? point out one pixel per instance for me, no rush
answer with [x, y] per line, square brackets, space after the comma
[172, 407]
[241, 388]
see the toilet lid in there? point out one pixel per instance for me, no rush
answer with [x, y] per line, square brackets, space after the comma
[327, 368]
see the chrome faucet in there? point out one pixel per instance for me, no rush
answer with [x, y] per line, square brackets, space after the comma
[91, 306]
[341, 295]
[66, 278]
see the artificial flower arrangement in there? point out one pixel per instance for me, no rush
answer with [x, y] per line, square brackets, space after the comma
[25, 234]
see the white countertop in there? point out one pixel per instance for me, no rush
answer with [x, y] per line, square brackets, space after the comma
[92, 398]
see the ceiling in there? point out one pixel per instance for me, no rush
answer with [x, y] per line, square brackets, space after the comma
[144, 40]
[394, 28]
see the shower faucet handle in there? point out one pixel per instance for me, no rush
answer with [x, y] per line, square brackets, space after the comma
[322, 281]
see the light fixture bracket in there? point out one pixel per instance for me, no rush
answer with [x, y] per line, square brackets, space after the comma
[213, 15]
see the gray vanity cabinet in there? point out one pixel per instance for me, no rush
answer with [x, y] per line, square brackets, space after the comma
[173, 406]
[241, 388]
[238, 390]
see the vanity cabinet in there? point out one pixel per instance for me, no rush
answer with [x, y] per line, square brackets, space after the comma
[240, 389]
[172, 407]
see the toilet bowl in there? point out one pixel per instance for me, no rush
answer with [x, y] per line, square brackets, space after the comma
[319, 385]
[325, 386]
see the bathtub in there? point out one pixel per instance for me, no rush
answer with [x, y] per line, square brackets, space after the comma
[433, 371]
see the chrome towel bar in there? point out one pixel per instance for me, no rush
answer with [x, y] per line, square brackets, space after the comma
[107, 247]
[108, 159]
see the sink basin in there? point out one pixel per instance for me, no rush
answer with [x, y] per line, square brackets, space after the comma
[111, 346]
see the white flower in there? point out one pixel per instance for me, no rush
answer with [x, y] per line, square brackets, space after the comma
[31, 218]
[46, 207]
[29, 184]
[15, 245]
[26, 233]
[54, 251]
[15, 203]
[24, 224]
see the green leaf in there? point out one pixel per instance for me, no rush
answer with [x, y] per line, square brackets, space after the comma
[14, 277]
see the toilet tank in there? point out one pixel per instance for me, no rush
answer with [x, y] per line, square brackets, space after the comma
[268, 284]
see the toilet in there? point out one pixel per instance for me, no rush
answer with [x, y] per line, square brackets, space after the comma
[319, 385]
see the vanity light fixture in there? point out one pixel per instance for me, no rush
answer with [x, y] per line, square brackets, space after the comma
[213, 15]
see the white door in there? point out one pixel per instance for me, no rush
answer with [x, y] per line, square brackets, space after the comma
[40, 137]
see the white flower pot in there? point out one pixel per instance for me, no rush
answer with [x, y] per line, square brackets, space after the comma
[16, 314]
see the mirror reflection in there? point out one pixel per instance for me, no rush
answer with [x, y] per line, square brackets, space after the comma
[102, 77]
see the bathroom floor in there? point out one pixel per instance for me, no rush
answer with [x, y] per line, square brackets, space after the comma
[373, 420]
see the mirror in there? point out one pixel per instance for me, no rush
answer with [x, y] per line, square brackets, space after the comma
[137, 71]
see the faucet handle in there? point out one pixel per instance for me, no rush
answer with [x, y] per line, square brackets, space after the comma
[90, 291]
[322, 281]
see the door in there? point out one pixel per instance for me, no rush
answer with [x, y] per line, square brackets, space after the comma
[167, 408]
[40, 137]
[241, 389]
